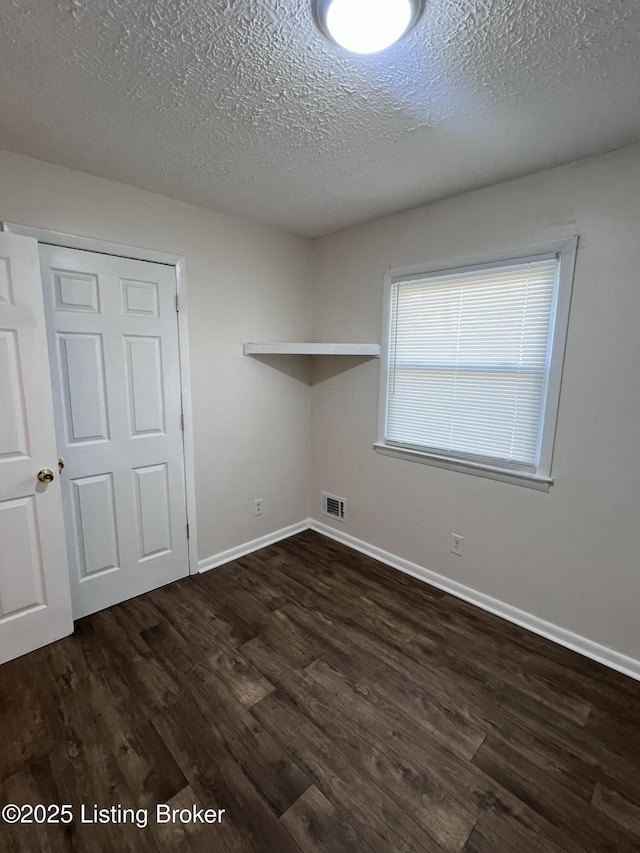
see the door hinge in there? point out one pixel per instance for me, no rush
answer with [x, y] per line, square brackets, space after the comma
[188, 530]
[177, 302]
[182, 422]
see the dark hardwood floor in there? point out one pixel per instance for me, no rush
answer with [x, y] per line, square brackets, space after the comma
[326, 703]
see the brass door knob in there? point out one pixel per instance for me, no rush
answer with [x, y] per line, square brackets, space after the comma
[46, 475]
[60, 463]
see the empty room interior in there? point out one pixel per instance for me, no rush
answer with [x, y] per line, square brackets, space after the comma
[319, 423]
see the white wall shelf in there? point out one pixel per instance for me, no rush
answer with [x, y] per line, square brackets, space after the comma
[370, 350]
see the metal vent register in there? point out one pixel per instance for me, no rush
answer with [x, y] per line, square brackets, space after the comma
[334, 507]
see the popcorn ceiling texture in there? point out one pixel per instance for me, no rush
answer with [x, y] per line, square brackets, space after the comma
[242, 106]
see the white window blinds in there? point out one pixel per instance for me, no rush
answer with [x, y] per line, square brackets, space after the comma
[469, 354]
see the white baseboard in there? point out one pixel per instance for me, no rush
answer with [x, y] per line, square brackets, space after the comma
[249, 547]
[590, 649]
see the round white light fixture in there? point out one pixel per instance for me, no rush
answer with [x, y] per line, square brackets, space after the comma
[366, 26]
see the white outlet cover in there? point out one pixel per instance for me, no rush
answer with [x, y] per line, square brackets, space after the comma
[457, 544]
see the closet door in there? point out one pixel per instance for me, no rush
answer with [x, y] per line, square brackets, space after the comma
[113, 344]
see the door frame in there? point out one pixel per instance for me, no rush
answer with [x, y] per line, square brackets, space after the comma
[120, 250]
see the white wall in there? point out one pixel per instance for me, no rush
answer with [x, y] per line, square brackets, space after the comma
[570, 556]
[244, 282]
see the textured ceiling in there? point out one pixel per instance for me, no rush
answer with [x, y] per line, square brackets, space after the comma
[243, 107]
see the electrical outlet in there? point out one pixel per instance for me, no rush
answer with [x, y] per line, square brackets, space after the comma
[257, 506]
[457, 544]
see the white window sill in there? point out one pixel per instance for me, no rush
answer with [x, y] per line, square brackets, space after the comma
[478, 469]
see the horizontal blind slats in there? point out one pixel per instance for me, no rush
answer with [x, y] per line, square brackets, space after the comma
[468, 359]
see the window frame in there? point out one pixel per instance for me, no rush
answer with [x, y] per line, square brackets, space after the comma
[565, 250]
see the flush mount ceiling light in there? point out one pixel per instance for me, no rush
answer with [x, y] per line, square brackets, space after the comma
[366, 26]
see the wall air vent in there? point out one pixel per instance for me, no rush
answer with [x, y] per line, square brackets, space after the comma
[333, 507]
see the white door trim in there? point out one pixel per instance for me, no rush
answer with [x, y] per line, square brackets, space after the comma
[90, 244]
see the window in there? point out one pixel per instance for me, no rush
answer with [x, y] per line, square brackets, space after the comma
[472, 364]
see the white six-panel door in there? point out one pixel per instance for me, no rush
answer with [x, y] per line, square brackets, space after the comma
[35, 605]
[113, 347]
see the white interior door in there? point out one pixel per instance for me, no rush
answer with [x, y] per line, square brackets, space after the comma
[35, 604]
[113, 346]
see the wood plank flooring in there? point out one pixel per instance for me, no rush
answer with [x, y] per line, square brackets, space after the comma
[326, 703]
